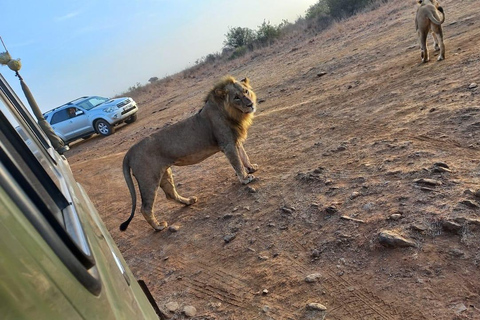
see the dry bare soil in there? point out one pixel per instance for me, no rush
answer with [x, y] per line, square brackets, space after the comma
[352, 126]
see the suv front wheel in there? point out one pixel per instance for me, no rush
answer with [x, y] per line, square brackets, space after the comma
[103, 127]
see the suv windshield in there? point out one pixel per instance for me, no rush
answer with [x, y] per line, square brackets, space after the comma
[91, 102]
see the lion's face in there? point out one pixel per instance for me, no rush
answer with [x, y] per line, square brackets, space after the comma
[241, 96]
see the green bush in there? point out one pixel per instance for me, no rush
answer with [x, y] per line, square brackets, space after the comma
[239, 37]
[267, 33]
[345, 8]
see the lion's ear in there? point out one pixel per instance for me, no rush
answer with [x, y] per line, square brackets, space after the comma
[220, 93]
[246, 81]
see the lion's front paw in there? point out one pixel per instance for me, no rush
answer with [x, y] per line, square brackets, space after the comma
[252, 168]
[160, 226]
[249, 178]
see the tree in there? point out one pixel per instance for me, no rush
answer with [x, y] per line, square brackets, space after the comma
[239, 37]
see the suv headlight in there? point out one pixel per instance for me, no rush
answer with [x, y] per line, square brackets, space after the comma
[109, 109]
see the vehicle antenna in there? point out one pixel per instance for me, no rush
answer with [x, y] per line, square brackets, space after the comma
[3, 44]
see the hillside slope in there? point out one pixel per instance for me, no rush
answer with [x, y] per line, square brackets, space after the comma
[355, 136]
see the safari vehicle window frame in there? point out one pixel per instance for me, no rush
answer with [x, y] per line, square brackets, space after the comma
[45, 202]
[20, 112]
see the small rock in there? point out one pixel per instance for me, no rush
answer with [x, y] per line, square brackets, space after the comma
[457, 253]
[470, 203]
[429, 182]
[451, 226]
[321, 74]
[316, 254]
[174, 228]
[472, 85]
[264, 291]
[354, 195]
[395, 216]
[288, 210]
[251, 189]
[477, 193]
[418, 227]
[229, 237]
[189, 311]
[331, 209]
[172, 306]
[313, 277]
[316, 306]
[441, 164]
[389, 238]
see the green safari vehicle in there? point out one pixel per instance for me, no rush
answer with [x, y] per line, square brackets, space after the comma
[57, 259]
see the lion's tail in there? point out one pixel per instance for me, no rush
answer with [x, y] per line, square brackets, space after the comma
[434, 18]
[131, 188]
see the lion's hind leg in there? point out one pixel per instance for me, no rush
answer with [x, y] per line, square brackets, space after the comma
[423, 45]
[168, 186]
[148, 185]
[438, 32]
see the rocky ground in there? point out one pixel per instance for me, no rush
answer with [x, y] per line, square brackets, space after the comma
[367, 202]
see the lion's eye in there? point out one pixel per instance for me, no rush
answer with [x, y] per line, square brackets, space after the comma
[245, 91]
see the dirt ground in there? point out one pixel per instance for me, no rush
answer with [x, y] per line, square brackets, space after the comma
[355, 138]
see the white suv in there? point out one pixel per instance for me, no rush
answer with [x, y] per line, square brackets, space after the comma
[85, 116]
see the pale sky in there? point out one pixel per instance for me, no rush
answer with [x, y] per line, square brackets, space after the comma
[71, 48]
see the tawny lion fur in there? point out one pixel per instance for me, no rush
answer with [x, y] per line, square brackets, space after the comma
[428, 19]
[221, 125]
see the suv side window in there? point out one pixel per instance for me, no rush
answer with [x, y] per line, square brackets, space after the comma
[60, 116]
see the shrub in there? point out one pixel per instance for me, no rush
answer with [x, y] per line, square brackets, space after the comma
[239, 37]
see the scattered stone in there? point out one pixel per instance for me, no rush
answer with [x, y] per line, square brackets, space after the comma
[451, 226]
[354, 195]
[418, 227]
[316, 254]
[314, 277]
[331, 209]
[388, 238]
[263, 258]
[264, 291]
[173, 228]
[251, 189]
[265, 309]
[229, 237]
[470, 204]
[287, 209]
[459, 308]
[457, 253]
[429, 182]
[351, 219]
[313, 306]
[261, 100]
[189, 311]
[321, 74]
[227, 216]
[477, 193]
[427, 189]
[172, 306]
[440, 167]
[441, 164]
[395, 216]
[473, 85]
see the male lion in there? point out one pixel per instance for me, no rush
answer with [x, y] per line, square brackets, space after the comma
[427, 20]
[221, 125]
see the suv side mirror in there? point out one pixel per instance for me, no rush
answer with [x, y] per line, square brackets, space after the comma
[79, 112]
